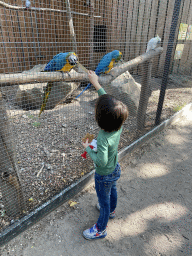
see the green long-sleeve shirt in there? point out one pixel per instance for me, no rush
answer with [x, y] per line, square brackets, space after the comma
[106, 156]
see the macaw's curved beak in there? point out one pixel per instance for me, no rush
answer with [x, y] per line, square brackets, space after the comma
[73, 60]
[119, 57]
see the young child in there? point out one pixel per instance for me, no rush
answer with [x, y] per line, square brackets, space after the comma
[110, 115]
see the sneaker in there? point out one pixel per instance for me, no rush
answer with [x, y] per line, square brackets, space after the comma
[111, 215]
[93, 233]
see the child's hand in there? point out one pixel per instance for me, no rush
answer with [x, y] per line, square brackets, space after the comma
[86, 144]
[93, 78]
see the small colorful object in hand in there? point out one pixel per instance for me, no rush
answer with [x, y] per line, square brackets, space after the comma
[93, 146]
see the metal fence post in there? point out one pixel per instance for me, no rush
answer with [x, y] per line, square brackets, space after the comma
[168, 59]
[91, 15]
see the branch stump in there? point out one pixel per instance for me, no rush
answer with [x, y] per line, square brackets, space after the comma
[145, 93]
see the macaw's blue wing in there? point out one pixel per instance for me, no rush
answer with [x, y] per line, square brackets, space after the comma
[61, 62]
[105, 65]
[57, 63]
[102, 67]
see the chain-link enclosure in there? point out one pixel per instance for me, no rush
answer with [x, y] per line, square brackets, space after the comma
[43, 118]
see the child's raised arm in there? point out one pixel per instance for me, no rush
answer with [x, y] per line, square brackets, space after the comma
[93, 78]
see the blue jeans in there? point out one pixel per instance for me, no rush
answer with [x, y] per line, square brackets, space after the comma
[105, 186]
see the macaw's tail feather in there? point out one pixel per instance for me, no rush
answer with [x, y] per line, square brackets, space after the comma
[46, 96]
[88, 86]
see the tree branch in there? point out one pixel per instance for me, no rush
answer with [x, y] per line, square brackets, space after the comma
[42, 77]
[118, 70]
[71, 27]
[14, 7]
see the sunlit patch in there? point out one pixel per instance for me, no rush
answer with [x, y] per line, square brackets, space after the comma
[134, 225]
[177, 140]
[166, 243]
[152, 170]
[167, 211]
[138, 222]
[189, 114]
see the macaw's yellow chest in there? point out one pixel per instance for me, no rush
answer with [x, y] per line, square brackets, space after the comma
[66, 68]
[110, 66]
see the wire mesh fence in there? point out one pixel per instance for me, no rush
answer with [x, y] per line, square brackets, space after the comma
[41, 151]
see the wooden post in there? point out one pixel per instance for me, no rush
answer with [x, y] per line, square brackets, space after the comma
[91, 13]
[71, 27]
[9, 181]
[145, 93]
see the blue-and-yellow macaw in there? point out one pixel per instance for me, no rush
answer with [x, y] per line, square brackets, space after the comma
[60, 62]
[105, 65]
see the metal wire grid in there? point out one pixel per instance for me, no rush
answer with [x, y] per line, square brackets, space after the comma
[47, 149]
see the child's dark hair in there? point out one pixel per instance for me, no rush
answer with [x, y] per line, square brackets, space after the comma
[110, 113]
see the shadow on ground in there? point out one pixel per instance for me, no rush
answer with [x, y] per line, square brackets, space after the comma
[153, 216]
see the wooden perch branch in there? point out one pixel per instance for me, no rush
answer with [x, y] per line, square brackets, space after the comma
[71, 27]
[42, 77]
[14, 7]
[117, 71]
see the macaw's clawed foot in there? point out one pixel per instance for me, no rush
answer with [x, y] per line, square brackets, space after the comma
[68, 74]
[64, 73]
[111, 75]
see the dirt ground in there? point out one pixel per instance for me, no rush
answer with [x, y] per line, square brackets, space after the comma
[154, 213]
[49, 148]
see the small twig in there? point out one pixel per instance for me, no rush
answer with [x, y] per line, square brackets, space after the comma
[185, 237]
[123, 139]
[46, 152]
[41, 169]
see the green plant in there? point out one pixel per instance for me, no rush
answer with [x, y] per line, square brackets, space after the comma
[31, 116]
[36, 124]
[179, 107]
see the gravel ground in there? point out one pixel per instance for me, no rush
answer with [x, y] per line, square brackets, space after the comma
[49, 149]
[153, 216]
